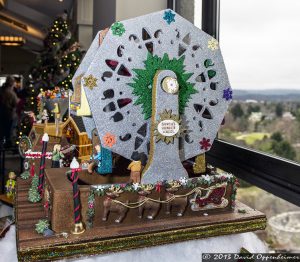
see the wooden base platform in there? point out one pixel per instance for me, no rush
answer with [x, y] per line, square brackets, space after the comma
[34, 247]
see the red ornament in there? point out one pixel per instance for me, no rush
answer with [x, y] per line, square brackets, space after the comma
[158, 187]
[205, 143]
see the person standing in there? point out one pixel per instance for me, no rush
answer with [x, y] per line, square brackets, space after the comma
[8, 105]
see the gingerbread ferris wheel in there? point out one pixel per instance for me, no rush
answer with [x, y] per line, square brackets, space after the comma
[158, 88]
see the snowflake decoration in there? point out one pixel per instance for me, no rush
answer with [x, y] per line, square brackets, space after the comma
[227, 93]
[118, 29]
[135, 186]
[205, 143]
[109, 139]
[90, 81]
[169, 17]
[183, 181]
[213, 44]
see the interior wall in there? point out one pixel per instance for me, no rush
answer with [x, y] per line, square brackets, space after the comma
[131, 8]
[15, 60]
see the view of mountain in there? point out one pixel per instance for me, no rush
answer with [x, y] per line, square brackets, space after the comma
[267, 94]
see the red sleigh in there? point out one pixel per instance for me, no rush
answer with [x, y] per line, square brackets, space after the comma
[213, 199]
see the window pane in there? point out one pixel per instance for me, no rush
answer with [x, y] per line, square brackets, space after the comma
[260, 44]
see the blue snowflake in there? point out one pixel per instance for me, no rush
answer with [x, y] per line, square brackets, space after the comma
[227, 93]
[169, 17]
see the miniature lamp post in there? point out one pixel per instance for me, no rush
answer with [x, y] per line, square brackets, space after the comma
[45, 141]
[78, 226]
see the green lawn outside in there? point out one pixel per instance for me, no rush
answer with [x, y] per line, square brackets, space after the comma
[252, 137]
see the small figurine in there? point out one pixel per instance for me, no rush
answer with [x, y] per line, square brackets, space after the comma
[135, 168]
[56, 112]
[32, 166]
[10, 185]
[44, 117]
[56, 156]
[95, 159]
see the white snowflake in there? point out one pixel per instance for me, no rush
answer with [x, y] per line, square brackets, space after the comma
[183, 181]
[136, 186]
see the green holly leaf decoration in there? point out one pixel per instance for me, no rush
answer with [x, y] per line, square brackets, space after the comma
[142, 85]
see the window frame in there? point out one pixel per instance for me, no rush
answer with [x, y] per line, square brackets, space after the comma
[276, 175]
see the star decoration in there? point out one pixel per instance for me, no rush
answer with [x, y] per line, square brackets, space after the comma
[213, 44]
[90, 81]
[205, 144]
[118, 29]
[169, 17]
[109, 139]
[227, 93]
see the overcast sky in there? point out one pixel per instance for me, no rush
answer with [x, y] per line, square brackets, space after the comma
[260, 43]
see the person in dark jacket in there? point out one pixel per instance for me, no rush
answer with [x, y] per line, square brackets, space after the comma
[8, 105]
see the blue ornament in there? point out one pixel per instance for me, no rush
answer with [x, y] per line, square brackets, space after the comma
[169, 17]
[227, 93]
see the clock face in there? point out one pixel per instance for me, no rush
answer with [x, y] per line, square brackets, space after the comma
[170, 85]
[118, 83]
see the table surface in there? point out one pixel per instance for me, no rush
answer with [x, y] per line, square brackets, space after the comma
[179, 252]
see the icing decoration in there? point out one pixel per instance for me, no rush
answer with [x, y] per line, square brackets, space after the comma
[213, 44]
[205, 144]
[168, 127]
[109, 140]
[118, 29]
[90, 82]
[227, 93]
[169, 17]
[144, 79]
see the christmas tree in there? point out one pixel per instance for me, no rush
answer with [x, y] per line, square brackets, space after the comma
[53, 68]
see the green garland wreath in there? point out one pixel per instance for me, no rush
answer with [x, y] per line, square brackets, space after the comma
[142, 86]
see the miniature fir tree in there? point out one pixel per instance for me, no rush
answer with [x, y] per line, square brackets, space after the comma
[25, 175]
[41, 226]
[34, 195]
[53, 67]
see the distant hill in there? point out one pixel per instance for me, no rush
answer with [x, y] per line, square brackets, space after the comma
[267, 95]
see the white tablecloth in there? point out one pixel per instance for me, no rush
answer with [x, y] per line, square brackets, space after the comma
[179, 252]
